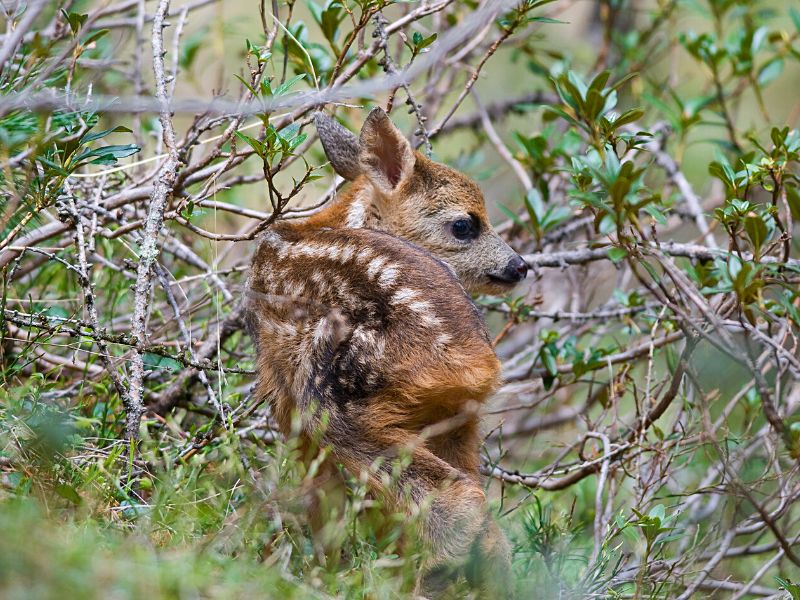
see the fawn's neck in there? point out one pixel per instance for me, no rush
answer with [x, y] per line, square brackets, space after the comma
[352, 209]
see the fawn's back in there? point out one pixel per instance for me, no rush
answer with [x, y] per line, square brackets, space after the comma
[367, 323]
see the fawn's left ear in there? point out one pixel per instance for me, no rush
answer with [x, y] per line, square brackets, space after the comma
[386, 156]
[340, 145]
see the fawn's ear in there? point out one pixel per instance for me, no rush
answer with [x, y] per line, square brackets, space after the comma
[340, 145]
[386, 156]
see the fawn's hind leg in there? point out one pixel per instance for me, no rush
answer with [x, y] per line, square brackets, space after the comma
[486, 562]
[488, 565]
[457, 531]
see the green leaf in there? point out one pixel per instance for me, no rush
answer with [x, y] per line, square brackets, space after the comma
[669, 538]
[420, 42]
[549, 362]
[156, 361]
[624, 80]
[554, 216]
[256, 145]
[795, 15]
[610, 103]
[75, 20]
[296, 141]
[248, 86]
[52, 165]
[616, 254]
[770, 71]
[68, 493]
[792, 588]
[756, 230]
[599, 82]
[90, 137]
[315, 10]
[572, 92]
[107, 155]
[535, 207]
[631, 533]
[56, 311]
[793, 199]
[547, 20]
[330, 19]
[629, 116]
[287, 85]
[722, 171]
[95, 36]
[595, 101]
[556, 111]
[656, 213]
[190, 47]
[658, 512]
[512, 215]
[759, 36]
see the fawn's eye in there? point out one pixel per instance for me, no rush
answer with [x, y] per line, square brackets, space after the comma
[465, 229]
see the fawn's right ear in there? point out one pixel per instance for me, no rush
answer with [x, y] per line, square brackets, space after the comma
[341, 146]
[387, 158]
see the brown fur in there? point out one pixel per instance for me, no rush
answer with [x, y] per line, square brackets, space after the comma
[359, 324]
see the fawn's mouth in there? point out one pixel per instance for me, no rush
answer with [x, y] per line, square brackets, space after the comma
[505, 282]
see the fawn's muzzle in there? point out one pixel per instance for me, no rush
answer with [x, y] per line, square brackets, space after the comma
[516, 270]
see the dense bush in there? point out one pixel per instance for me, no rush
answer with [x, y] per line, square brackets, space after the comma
[641, 155]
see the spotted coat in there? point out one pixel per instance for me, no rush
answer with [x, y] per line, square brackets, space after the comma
[363, 328]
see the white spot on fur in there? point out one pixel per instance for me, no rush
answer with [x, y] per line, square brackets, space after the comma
[341, 289]
[364, 255]
[268, 284]
[347, 254]
[420, 306]
[443, 339]
[333, 252]
[277, 243]
[388, 276]
[321, 282]
[294, 289]
[425, 311]
[375, 265]
[430, 320]
[356, 214]
[307, 249]
[321, 331]
[403, 295]
[364, 336]
[286, 330]
[368, 342]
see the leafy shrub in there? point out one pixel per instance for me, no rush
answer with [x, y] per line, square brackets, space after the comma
[642, 156]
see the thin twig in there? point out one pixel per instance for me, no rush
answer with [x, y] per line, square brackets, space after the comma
[148, 254]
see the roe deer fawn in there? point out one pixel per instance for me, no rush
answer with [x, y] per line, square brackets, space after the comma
[361, 321]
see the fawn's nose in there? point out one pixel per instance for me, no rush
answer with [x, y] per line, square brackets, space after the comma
[516, 269]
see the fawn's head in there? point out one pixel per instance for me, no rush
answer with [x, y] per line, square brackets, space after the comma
[422, 201]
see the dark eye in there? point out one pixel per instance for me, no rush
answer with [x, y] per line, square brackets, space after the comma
[465, 229]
